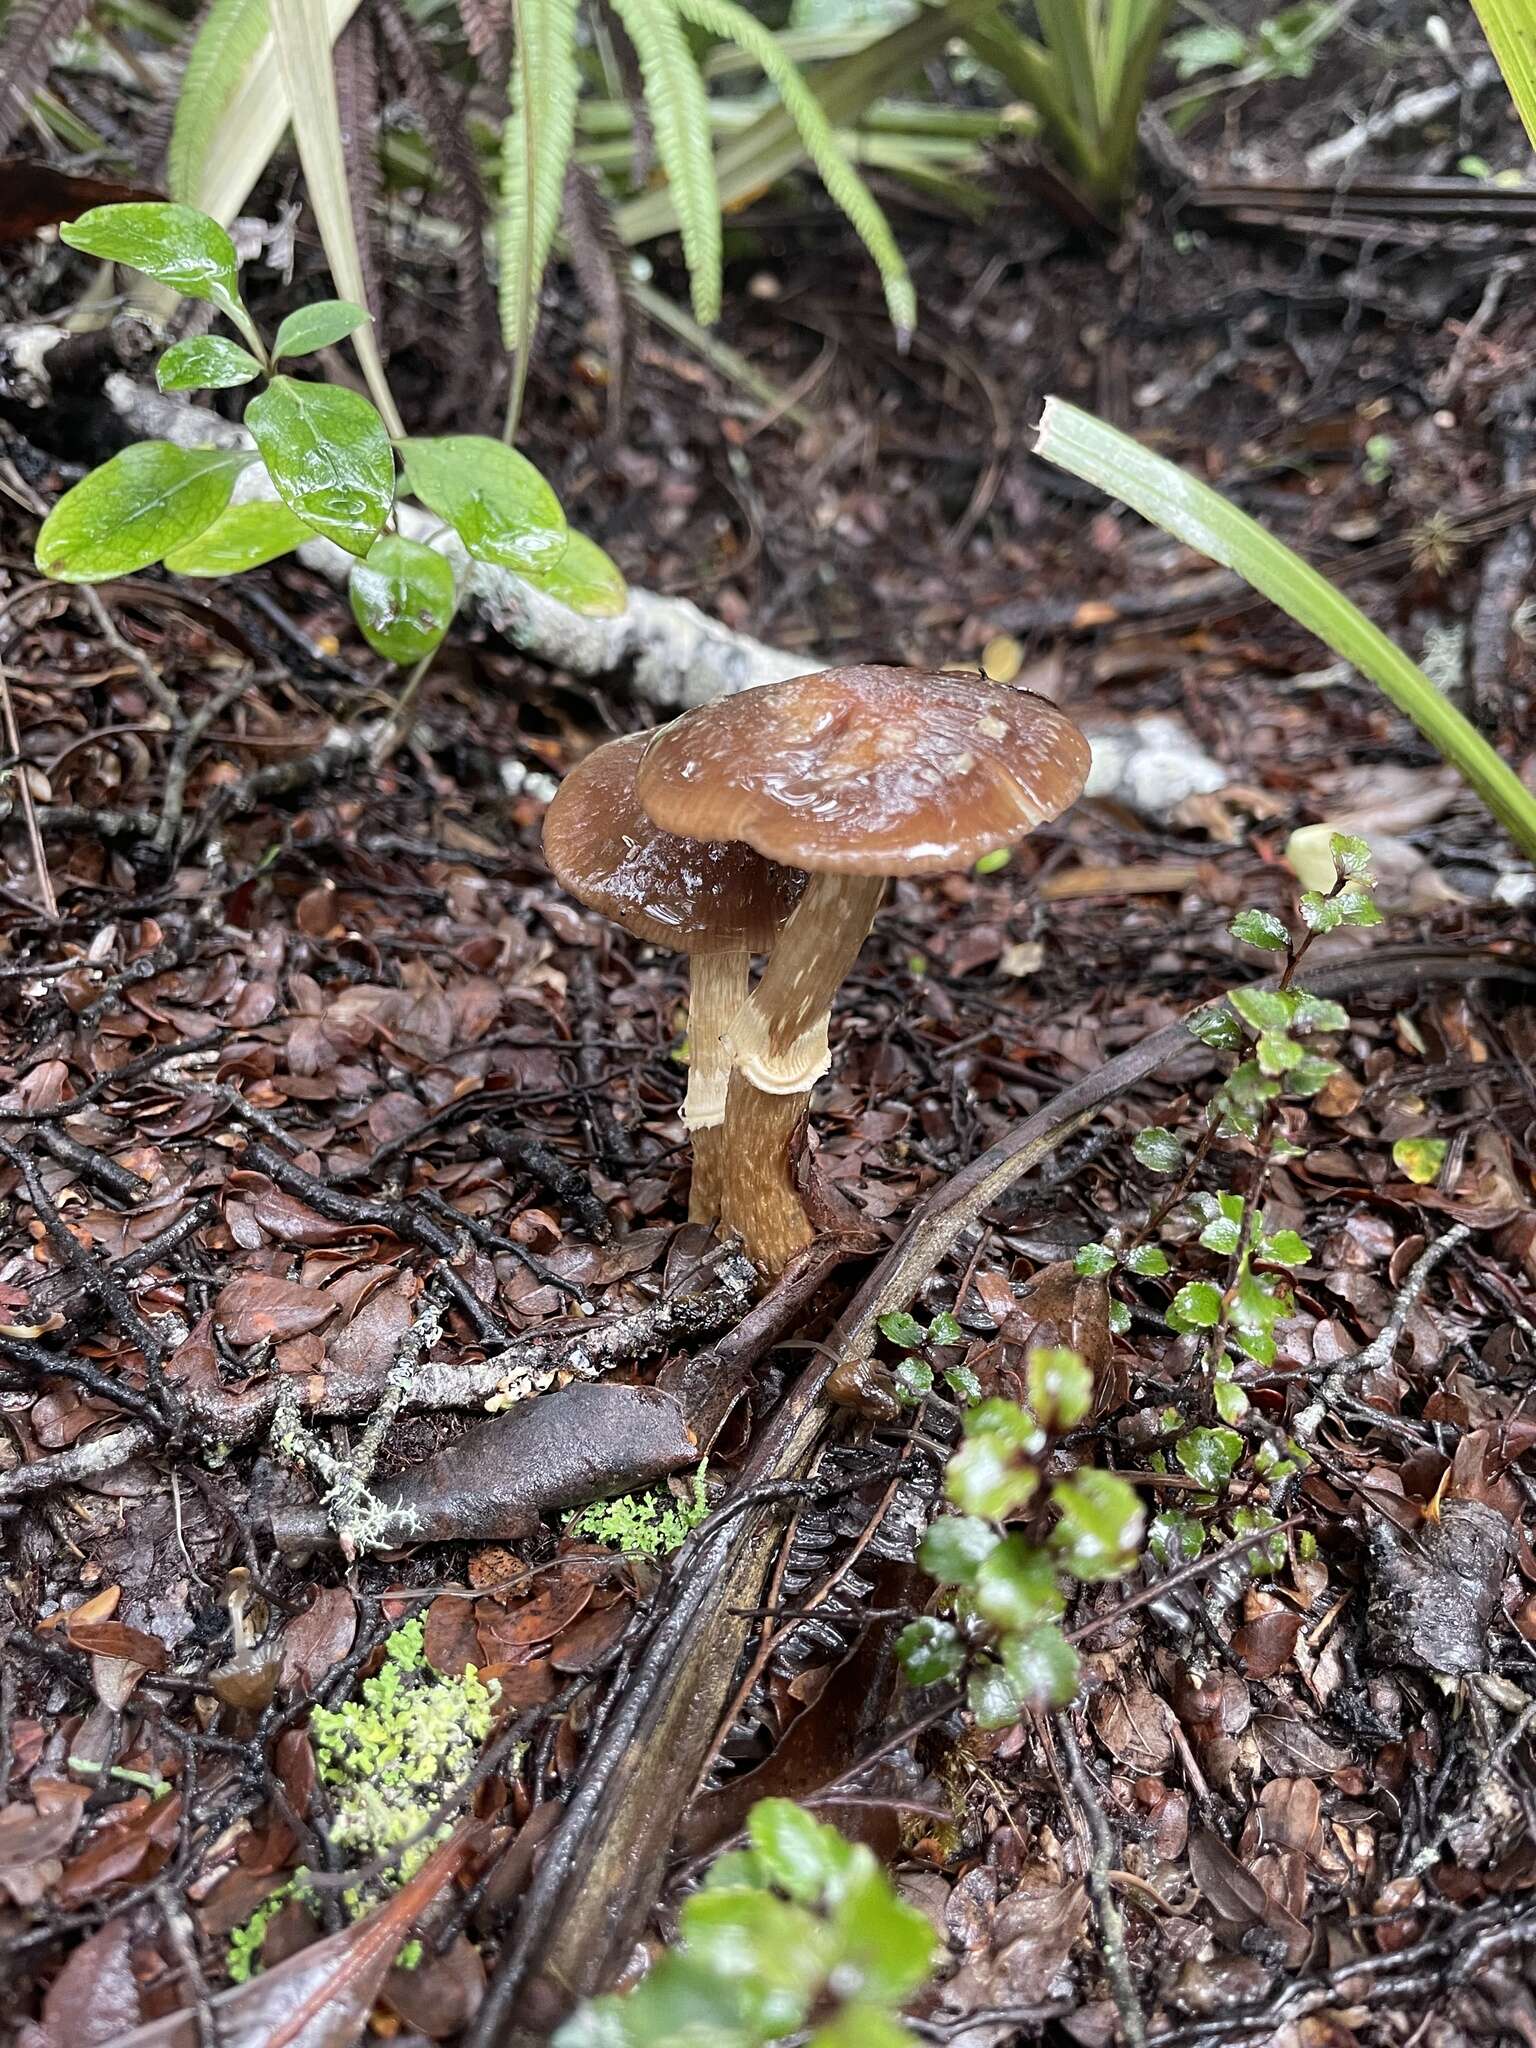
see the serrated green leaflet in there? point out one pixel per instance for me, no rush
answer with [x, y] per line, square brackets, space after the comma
[242, 537]
[402, 598]
[126, 515]
[206, 362]
[317, 326]
[329, 458]
[492, 497]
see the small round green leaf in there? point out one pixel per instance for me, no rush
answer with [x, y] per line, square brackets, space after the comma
[885, 1947]
[945, 1330]
[1149, 1260]
[402, 598]
[1041, 1666]
[1094, 1259]
[797, 1852]
[148, 499]
[903, 1329]
[495, 500]
[990, 1695]
[982, 1478]
[1157, 1149]
[175, 244]
[1209, 1456]
[318, 326]
[953, 1547]
[585, 580]
[1196, 1306]
[242, 537]
[1016, 1585]
[1099, 1533]
[1259, 928]
[329, 458]
[1420, 1158]
[929, 1650]
[206, 362]
[1060, 1387]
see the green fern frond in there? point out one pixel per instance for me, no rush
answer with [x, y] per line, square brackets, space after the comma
[832, 164]
[536, 145]
[679, 109]
[223, 51]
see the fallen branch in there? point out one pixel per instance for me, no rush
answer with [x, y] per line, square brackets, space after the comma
[528, 1367]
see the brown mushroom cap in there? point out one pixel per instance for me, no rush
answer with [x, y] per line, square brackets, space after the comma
[694, 895]
[867, 771]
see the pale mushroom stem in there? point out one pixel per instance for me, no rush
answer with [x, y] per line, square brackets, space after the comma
[759, 1201]
[778, 1038]
[718, 990]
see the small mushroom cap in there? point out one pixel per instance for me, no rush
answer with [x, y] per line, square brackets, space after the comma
[694, 895]
[867, 771]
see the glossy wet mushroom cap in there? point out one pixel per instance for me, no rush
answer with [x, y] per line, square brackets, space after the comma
[867, 771]
[688, 893]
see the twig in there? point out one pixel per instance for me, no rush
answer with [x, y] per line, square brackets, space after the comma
[1346, 1375]
[1102, 1860]
[94, 1276]
[28, 809]
[568, 1184]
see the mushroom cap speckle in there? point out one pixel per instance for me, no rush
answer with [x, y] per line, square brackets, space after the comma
[867, 771]
[694, 895]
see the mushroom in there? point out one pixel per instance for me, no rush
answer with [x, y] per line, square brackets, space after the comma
[718, 903]
[853, 775]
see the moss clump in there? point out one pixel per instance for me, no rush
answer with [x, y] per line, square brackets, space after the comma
[650, 1524]
[389, 1760]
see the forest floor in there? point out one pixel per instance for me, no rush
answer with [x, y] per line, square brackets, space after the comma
[315, 1050]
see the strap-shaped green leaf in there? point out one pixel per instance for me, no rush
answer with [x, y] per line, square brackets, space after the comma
[679, 110]
[1200, 517]
[847, 188]
[536, 145]
[223, 51]
[1510, 26]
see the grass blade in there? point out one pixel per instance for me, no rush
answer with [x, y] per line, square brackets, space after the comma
[1195, 514]
[1510, 26]
[303, 38]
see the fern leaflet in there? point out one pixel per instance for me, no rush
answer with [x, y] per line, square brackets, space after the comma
[536, 144]
[679, 107]
[833, 166]
[222, 52]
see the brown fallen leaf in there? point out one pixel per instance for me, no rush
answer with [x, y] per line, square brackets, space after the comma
[321, 1997]
[258, 1306]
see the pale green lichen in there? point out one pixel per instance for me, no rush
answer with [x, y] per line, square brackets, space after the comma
[388, 1759]
[650, 1524]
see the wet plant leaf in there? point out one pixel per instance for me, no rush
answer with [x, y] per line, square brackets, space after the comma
[150, 498]
[492, 497]
[242, 537]
[329, 458]
[206, 362]
[318, 326]
[402, 597]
